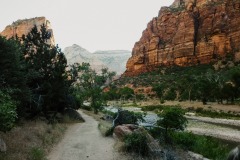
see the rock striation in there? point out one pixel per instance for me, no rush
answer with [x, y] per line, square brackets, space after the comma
[24, 26]
[189, 32]
[115, 60]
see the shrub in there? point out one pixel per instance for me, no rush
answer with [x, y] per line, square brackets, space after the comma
[172, 118]
[8, 112]
[136, 142]
[152, 107]
[37, 153]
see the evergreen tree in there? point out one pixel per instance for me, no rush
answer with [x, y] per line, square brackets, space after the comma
[46, 66]
[12, 73]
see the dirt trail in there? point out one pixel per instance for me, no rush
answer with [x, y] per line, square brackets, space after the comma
[83, 141]
[225, 129]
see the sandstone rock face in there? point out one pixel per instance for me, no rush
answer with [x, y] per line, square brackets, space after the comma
[189, 32]
[115, 60]
[23, 27]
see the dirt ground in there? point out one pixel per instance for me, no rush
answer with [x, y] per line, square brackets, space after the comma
[83, 141]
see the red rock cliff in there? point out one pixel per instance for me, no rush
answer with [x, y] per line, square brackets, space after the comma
[24, 26]
[189, 32]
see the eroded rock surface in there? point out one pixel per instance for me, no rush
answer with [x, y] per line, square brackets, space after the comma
[189, 32]
[24, 26]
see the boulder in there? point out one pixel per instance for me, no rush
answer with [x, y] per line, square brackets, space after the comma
[3, 147]
[121, 130]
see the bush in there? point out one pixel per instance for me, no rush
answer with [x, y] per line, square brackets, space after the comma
[136, 142]
[8, 112]
[172, 118]
[37, 154]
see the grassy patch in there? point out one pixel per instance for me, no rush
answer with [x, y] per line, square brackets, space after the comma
[216, 114]
[105, 128]
[157, 108]
[206, 146]
[37, 153]
[31, 140]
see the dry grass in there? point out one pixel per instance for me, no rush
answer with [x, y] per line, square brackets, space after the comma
[214, 106]
[103, 126]
[31, 140]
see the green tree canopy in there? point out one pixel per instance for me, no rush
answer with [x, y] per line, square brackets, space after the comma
[89, 84]
[46, 66]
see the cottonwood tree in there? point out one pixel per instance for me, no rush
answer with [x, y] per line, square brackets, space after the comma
[89, 84]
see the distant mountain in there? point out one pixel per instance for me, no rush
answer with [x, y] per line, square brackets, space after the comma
[115, 60]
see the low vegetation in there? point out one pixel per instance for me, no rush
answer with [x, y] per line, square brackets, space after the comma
[216, 114]
[206, 146]
[199, 111]
[31, 140]
[137, 143]
[206, 83]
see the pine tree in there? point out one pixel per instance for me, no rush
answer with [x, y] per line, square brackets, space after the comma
[12, 73]
[46, 66]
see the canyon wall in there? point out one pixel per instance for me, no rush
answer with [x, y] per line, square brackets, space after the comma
[189, 32]
[23, 27]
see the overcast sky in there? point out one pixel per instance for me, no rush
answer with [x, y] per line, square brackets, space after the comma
[92, 24]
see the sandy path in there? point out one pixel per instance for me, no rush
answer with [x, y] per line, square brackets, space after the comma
[208, 126]
[83, 141]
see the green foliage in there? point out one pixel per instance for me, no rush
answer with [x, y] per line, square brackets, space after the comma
[200, 82]
[126, 92]
[153, 107]
[47, 78]
[159, 89]
[13, 73]
[8, 113]
[89, 84]
[172, 118]
[107, 112]
[206, 146]
[109, 132]
[37, 153]
[216, 114]
[129, 117]
[136, 142]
